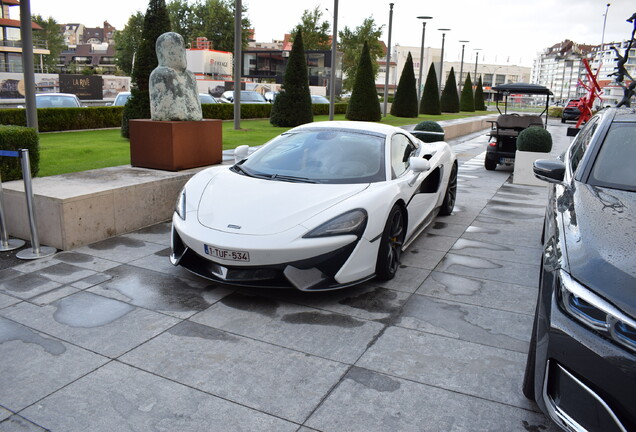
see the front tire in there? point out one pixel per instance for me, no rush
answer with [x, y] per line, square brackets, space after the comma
[451, 193]
[390, 251]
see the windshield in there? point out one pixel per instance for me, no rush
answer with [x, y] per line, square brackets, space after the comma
[614, 165]
[252, 97]
[320, 156]
[56, 101]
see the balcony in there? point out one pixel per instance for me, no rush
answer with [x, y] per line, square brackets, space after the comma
[18, 43]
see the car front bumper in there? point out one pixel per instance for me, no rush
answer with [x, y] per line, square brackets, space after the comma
[586, 381]
[279, 261]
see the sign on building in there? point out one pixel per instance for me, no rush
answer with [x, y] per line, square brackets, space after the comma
[84, 86]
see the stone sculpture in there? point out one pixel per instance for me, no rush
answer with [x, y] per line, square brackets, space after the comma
[173, 88]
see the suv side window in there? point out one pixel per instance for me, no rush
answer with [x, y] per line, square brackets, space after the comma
[582, 142]
[401, 150]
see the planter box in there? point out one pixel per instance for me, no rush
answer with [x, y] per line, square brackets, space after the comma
[175, 145]
[523, 173]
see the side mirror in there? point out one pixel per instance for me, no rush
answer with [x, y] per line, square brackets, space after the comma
[549, 170]
[419, 165]
[241, 153]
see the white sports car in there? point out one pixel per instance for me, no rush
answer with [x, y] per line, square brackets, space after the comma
[322, 206]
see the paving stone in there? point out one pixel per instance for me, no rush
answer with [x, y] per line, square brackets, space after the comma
[33, 365]
[426, 259]
[121, 249]
[91, 281]
[4, 414]
[432, 242]
[6, 300]
[467, 322]
[86, 261]
[65, 273]
[158, 233]
[480, 292]
[407, 279]
[53, 295]
[27, 286]
[325, 334]
[268, 378]
[491, 373]
[106, 326]
[121, 398]
[17, 423]
[160, 262]
[511, 272]
[159, 292]
[496, 252]
[369, 401]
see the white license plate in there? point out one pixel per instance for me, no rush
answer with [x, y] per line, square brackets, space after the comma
[507, 160]
[226, 254]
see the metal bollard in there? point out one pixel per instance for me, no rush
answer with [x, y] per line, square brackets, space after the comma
[37, 250]
[6, 244]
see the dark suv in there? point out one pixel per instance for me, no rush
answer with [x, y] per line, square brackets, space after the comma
[581, 367]
[571, 111]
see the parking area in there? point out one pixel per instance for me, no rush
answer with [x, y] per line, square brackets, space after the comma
[112, 337]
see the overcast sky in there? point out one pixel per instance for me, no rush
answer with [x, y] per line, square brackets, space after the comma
[507, 31]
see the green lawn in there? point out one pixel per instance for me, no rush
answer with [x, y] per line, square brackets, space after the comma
[64, 152]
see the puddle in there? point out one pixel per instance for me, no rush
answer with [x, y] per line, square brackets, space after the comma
[194, 330]
[323, 319]
[379, 300]
[62, 269]
[465, 261]
[10, 331]
[73, 257]
[458, 285]
[462, 244]
[114, 242]
[372, 380]
[86, 310]
[261, 305]
[163, 253]
[154, 229]
[27, 282]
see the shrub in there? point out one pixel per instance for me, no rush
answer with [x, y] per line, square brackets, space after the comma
[15, 138]
[555, 111]
[480, 105]
[430, 96]
[449, 101]
[292, 106]
[534, 139]
[467, 101]
[429, 131]
[405, 103]
[61, 119]
[364, 104]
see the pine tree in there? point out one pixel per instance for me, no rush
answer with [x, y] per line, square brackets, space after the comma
[364, 104]
[449, 102]
[156, 23]
[430, 96]
[479, 96]
[405, 101]
[467, 101]
[292, 106]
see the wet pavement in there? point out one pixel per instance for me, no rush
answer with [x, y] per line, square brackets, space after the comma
[112, 337]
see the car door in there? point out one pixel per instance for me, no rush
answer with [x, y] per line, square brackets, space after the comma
[416, 189]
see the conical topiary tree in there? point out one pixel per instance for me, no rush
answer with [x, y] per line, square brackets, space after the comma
[449, 101]
[363, 103]
[292, 106]
[405, 101]
[430, 96]
[467, 100]
[156, 23]
[480, 105]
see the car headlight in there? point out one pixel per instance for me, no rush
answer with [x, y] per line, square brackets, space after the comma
[180, 207]
[352, 222]
[595, 312]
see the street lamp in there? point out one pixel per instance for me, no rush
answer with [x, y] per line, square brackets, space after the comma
[334, 46]
[419, 82]
[387, 69]
[604, 21]
[476, 57]
[461, 65]
[441, 60]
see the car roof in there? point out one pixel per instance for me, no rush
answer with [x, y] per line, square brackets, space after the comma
[55, 94]
[624, 114]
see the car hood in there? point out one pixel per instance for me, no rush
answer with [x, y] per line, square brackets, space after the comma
[601, 240]
[239, 204]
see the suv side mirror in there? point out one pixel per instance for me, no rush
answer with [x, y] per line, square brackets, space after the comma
[549, 170]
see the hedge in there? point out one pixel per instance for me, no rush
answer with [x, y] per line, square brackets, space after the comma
[14, 138]
[62, 119]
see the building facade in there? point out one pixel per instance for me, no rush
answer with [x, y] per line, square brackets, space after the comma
[11, 39]
[604, 60]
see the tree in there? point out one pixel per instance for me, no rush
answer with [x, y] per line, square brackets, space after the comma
[292, 106]
[467, 101]
[214, 19]
[127, 43]
[156, 23]
[351, 43]
[315, 34]
[450, 99]
[182, 19]
[430, 96]
[364, 104]
[405, 101]
[479, 96]
[53, 40]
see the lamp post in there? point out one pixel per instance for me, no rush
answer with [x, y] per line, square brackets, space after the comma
[441, 60]
[461, 64]
[419, 82]
[334, 46]
[604, 21]
[388, 60]
[476, 58]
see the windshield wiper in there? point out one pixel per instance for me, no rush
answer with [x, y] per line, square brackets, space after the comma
[292, 179]
[239, 169]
